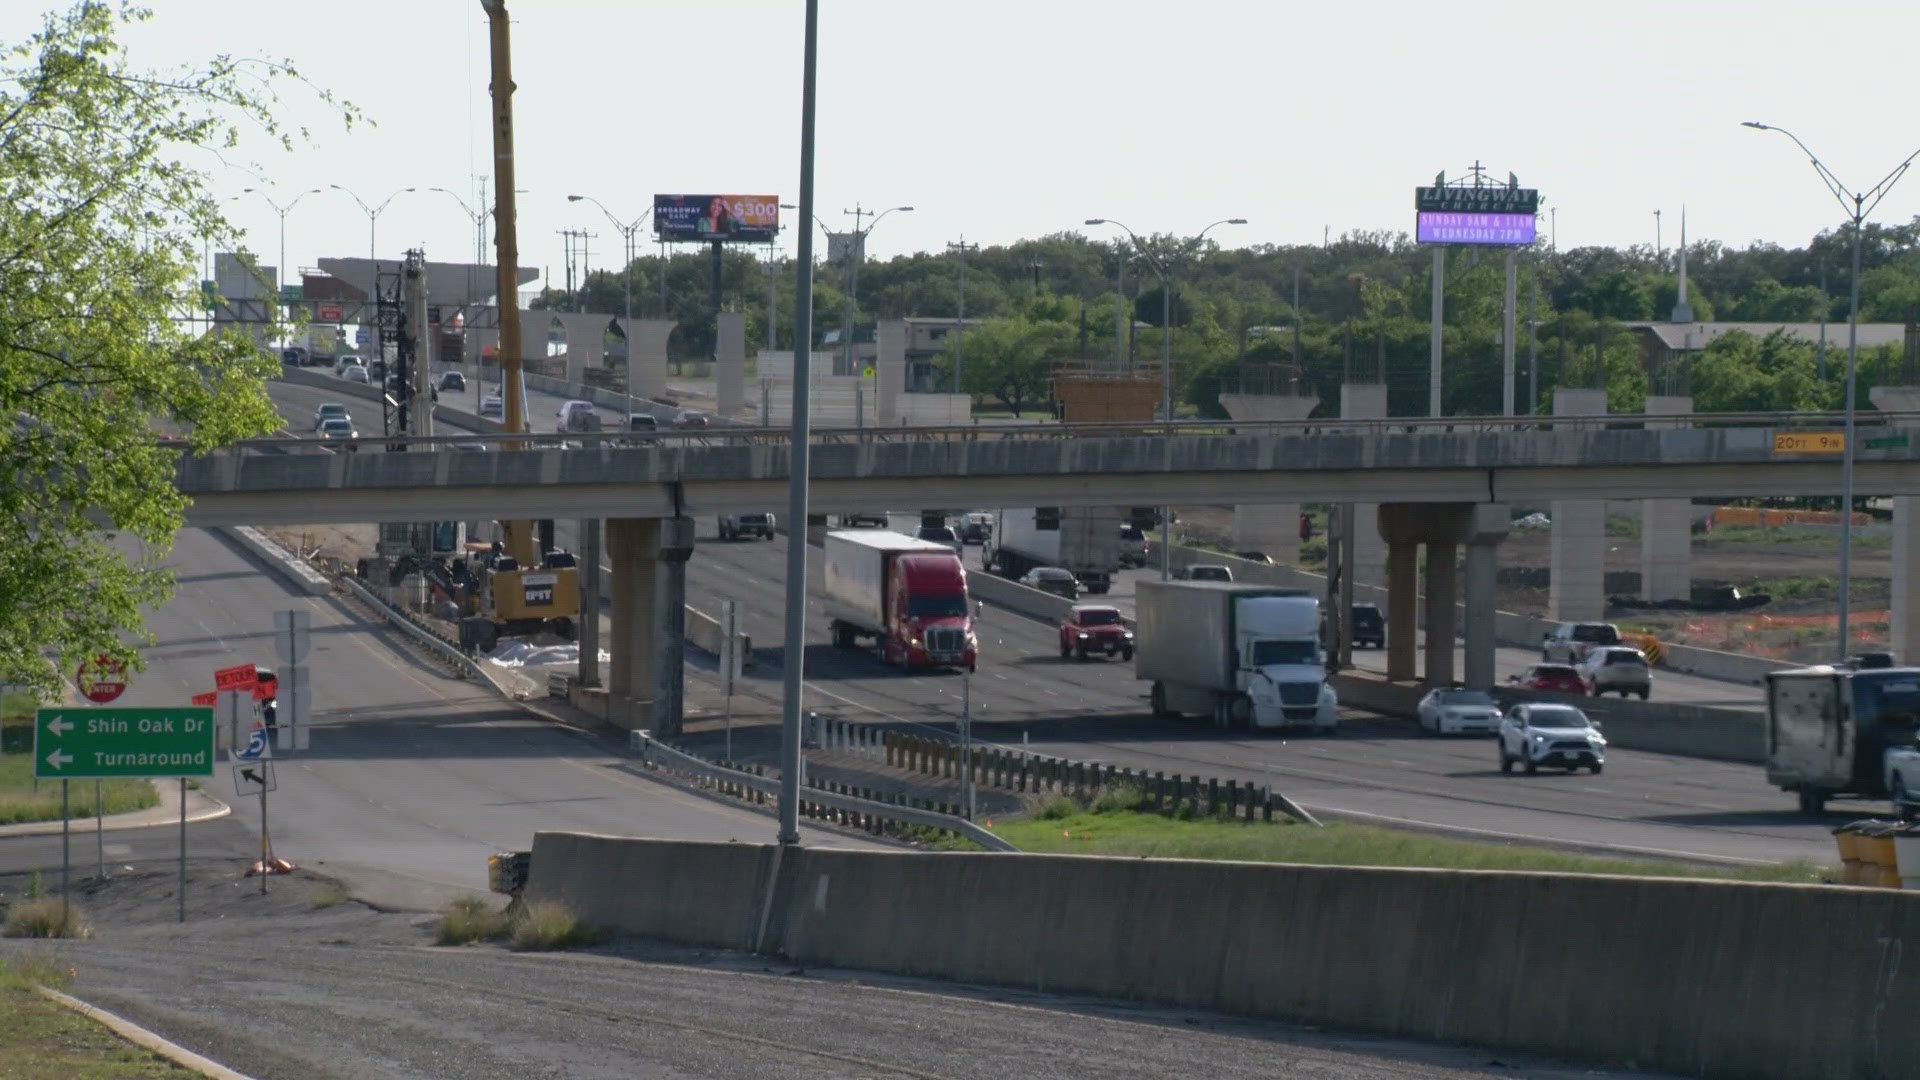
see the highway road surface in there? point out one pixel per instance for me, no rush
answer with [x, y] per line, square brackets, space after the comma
[414, 777]
[1378, 768]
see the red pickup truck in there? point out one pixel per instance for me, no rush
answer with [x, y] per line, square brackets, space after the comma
[1095, 629]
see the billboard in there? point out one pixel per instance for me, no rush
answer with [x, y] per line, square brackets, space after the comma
[1435, 227]
[749, 218]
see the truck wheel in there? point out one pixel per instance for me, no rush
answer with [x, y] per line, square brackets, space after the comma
[1240, 712]
[1812, 801]
[1080, 654]
[1066, 650]
[1594, 768]
[1506, 763]
[1127, 655]
[1644, 693]
[562, 628]
[1157, 701]
[1531, 766]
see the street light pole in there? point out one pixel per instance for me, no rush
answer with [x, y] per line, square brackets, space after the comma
[1857, 204]
[960, 324]
[373, 216]
[1166, 370]
[280, 271]
[631, 250]
[856, 254]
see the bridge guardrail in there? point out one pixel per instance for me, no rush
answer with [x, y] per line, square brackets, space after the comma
[655, 753]
[779, 436]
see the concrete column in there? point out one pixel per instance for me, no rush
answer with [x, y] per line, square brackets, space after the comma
[1905, 631]
[730, 362]
[1273, 528]
[1666, 525]
[647, 356]
[1578, 543]
[889, 372]
[1403, 605]
[1489, 527]
[589, 632]
[1442, 590]
[676, 545]
[633, 550]
[1366, 401]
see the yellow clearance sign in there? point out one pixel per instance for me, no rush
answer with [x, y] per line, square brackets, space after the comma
[1809, 442]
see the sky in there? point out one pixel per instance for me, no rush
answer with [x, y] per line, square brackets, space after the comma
[1005, 119]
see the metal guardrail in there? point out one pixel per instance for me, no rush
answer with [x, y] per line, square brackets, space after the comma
[656, 753]
[779, 436]
[406, 623]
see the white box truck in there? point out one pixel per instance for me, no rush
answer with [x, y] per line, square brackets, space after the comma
[908, 594]
[1082, 540]
[1240, 655]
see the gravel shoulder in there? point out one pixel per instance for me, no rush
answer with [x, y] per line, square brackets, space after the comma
[296, 985]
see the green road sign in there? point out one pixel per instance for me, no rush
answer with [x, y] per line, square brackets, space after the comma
[82, 743]
[1887, 442]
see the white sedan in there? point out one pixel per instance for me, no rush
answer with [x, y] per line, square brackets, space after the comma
[1447, 711]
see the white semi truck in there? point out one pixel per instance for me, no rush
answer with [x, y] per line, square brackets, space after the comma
[1082, 540]
[1240, 655]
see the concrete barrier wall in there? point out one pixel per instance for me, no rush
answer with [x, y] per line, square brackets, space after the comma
[696, 893]
[1687, 730]
[703, 633]
[1718, 979]
[294, 569]
[1017, 598]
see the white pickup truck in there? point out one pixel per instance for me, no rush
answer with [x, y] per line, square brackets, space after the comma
[1570, 642]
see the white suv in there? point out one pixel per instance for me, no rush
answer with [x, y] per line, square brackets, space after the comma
[1537, 733]
[1617, 668]
[1570, 642]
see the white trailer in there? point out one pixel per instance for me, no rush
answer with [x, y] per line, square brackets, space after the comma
[1240, 655]
[1083, 540]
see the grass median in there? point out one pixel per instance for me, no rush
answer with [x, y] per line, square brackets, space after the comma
[1109, 828]
[41, 1039]
[23, 800]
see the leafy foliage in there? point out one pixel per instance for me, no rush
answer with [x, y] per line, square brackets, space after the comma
[101, 222]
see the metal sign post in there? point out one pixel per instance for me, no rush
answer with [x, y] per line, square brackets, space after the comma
[729, 661]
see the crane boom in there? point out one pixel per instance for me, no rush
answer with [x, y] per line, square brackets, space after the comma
[519, 534]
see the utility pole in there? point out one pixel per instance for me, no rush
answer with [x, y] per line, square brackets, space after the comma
[960, 326]
[856, 251]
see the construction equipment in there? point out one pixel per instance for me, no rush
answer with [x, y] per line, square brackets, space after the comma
[529, 587]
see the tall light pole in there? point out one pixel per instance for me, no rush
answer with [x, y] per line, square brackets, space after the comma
[479, 219]
[799, 457]
[632, 251]
[1857, 204]
[960, 323]
[1166, 368]
[280, 271]
[856, 254]
[373, 217]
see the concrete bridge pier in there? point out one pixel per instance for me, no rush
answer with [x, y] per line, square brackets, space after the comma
[647, 356]
[1272, 528]
[633, 551]
[1366, 401]
[730, 363]
[1443, 528]
[1577, 546]
[1903, 631]
[1666, 525]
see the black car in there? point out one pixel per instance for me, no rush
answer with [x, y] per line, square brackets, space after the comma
[1368, 627]
[1054, 580]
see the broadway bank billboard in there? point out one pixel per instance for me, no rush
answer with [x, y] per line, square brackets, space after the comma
[749, 218]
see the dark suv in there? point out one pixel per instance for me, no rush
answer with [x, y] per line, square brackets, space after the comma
[1367, 627]
[746, 526]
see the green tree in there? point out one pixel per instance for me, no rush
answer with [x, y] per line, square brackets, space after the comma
[1008, 358]
[101, 226]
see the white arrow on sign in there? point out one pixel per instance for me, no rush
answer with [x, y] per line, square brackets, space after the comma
[60, 725]
[58, 759]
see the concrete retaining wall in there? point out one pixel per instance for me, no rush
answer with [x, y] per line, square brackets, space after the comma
[1715, 979]
[288, 565]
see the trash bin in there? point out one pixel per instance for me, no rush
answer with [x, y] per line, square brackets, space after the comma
[1853, 867]
[1906, 852]
[1875, 841]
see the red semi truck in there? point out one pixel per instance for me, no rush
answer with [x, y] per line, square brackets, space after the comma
[909, 595]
